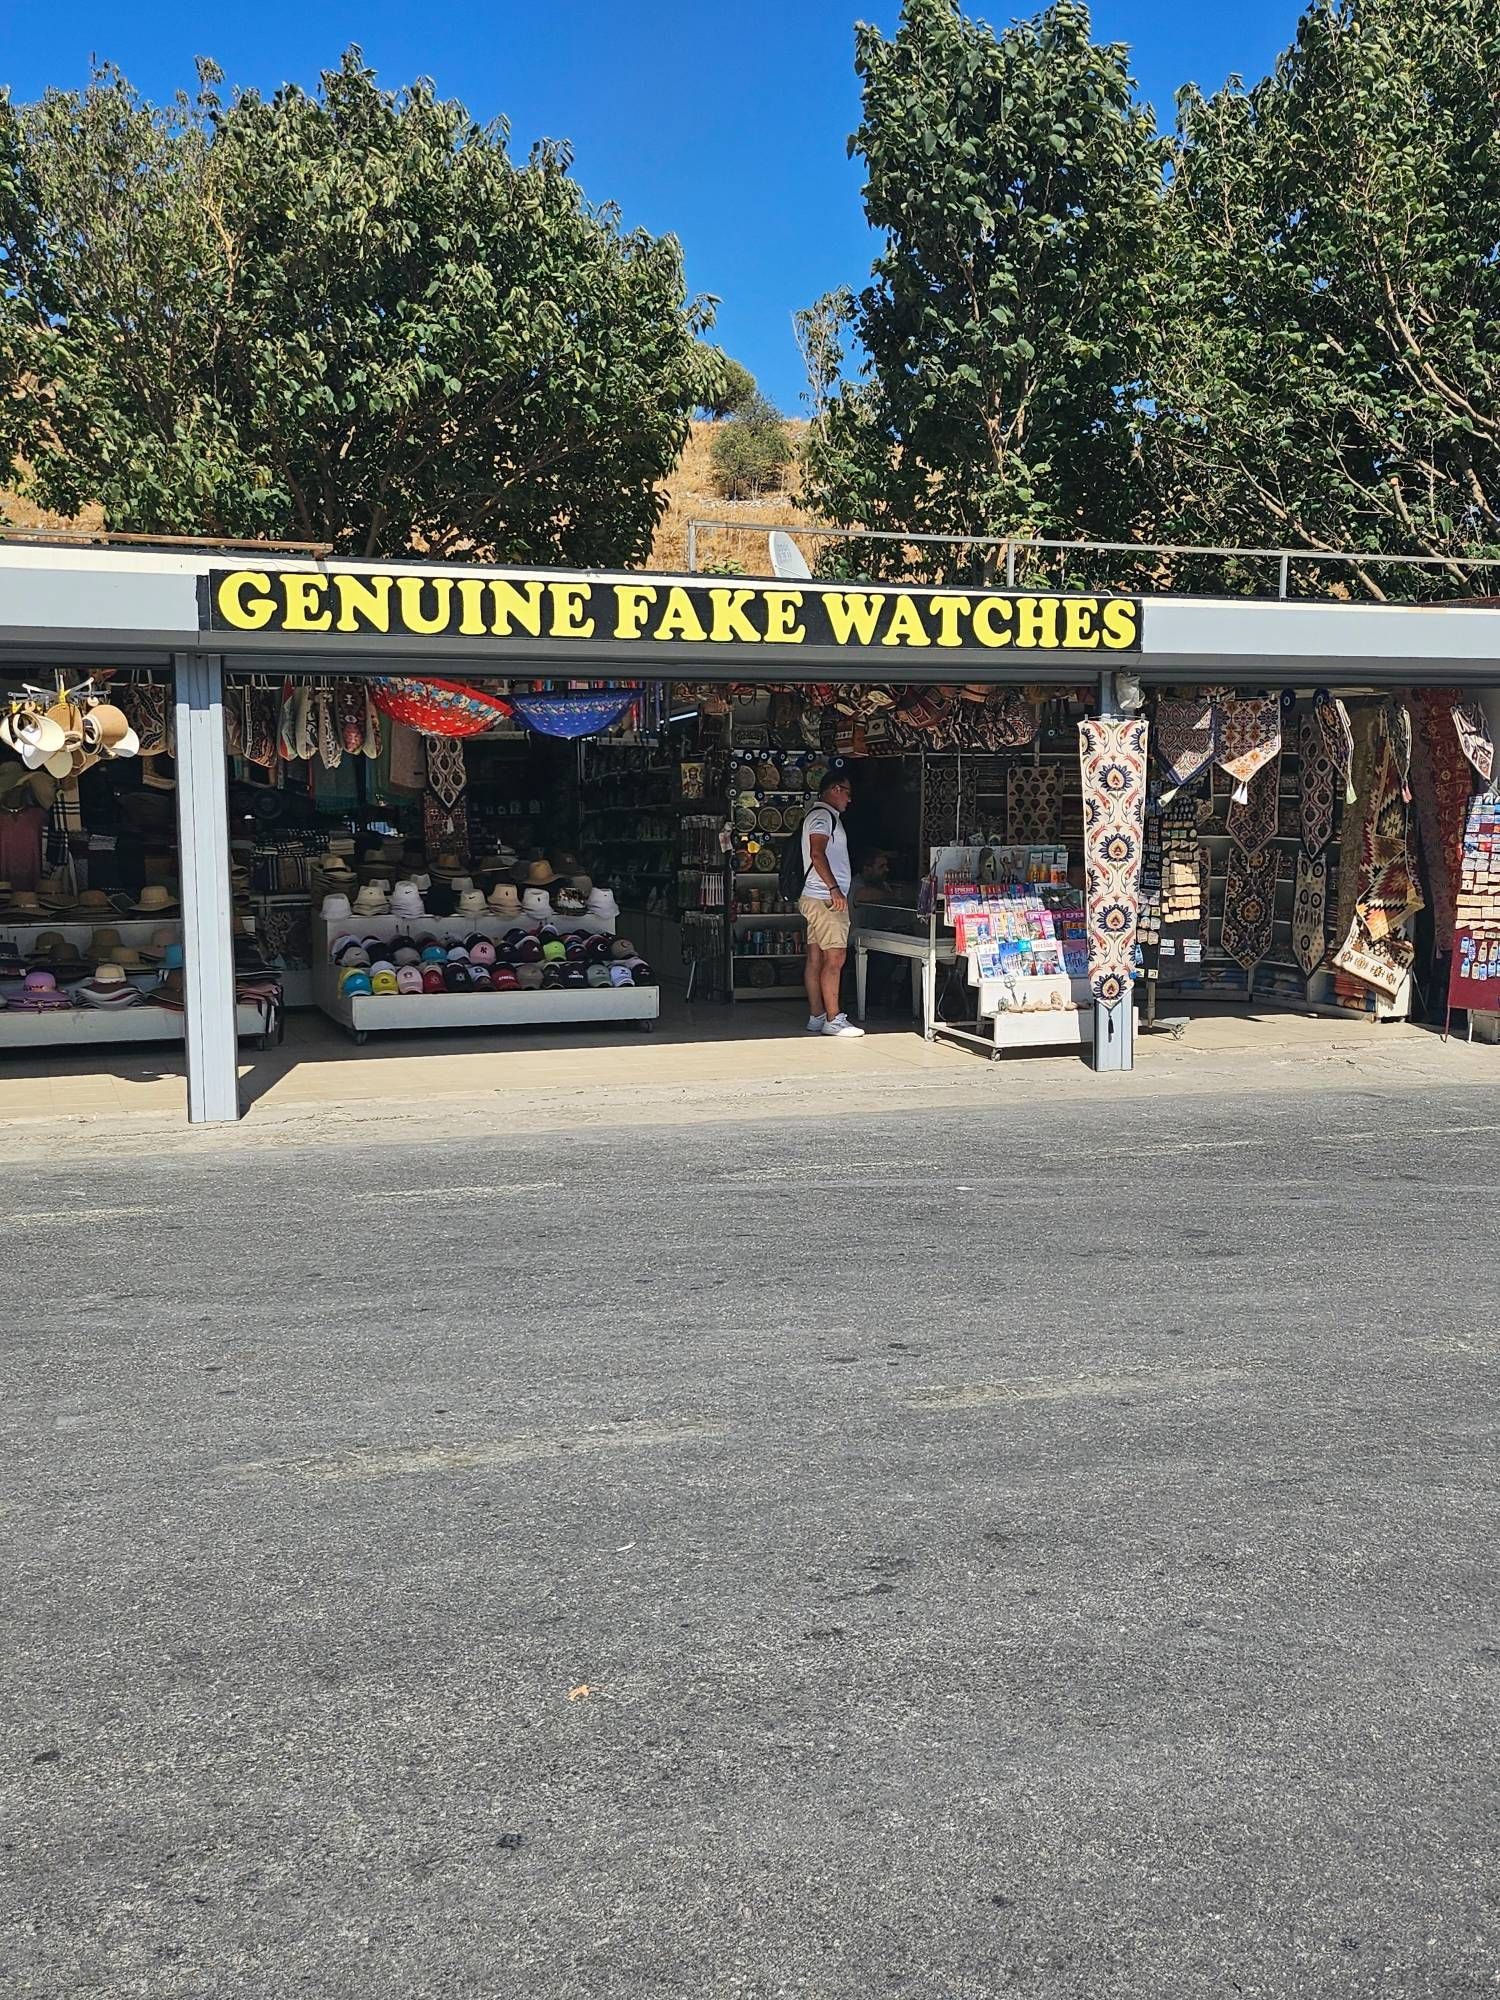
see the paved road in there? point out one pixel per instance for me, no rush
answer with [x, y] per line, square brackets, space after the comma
[761, 1560]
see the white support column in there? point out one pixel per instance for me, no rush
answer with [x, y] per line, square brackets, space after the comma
[203, 850]
[1114, 1024]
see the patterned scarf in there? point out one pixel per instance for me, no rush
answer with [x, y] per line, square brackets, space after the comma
[349, 699]
[1474, 736]
[1249, 737]
[1310, 912]
[1338, 736]
[1112, 758]
[1250, 905]
[1319, 776]
[1252, 822]
[1183, 740]
[1031, 801]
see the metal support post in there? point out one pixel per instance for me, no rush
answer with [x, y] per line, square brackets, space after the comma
[1114, 1023]
[203, 849]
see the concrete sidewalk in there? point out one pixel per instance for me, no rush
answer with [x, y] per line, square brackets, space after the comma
[706, 1062]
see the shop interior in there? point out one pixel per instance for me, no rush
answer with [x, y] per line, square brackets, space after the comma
[415, 856]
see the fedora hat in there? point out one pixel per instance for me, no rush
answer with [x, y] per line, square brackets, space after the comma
[155, 896]
[539, 875]
[92, 900]
[26, 902]
[161, 938]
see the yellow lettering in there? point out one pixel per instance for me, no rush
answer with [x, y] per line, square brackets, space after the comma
[853, 614]
[730, 621]
[906, 627]
[949, 610]
[680, 620]
[569, 602]
[990, 612]
[363, 597]
[782, 625]
[1121, 624]
[306, 610]
[233, 609]
[413, 618]
[516, 606]
[1036, 621]
[471, 606]
[632, 602]
[1080, 622]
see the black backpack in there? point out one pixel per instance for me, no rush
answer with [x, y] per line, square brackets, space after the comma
[793, 876]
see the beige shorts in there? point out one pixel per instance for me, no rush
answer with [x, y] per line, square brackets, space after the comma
[827, 927]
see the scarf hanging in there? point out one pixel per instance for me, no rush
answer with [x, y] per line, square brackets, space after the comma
[1183, 740]
[234, 721]
[1112, 757]
[437, 708]
[1310, 912]
[1338, 736]
[1474, 736]
[1252, 822]
[1249, 905]
[572, 714]
[1319, 779]
[150, 707]
[1031, 803]
[349, 699]
[1249, 737]
[325, 728]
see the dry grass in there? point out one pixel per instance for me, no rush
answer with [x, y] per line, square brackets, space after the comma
[18, 513]
[691, 496]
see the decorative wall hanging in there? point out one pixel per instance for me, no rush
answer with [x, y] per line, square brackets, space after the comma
[1251, 821]
[1389, 892]
[950, 800]
[330, 743]
[349, 699]
[572, 714]
[1338, 737]
[1319, 779]
[1249, 905]
[1474, 736]
[447, 774]
[438, 708]
[1249, 737]
[1310, 912]
[1032, 794]
[1184, 739]
[150, 709]
[1441, 782]
[1112, 758]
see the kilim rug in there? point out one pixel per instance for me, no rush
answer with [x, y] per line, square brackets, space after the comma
[1338, 735]
[1249, 905]
[1183, 739]
[1474, 737]
[1319, 778]
[1249, 736]
[1310, 912]
[1441, 782]
[1252, 820]
[1031, 803]
[1112, 757]
[1362, 729]
[1389, 891]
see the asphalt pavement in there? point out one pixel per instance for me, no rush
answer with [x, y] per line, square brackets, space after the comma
[949, 1555]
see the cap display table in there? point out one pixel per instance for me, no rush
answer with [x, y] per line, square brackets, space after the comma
[364, 1014]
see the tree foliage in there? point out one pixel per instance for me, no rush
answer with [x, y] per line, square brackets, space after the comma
[1329, 371]
[348, 317]
[1005, 335]
[732, 390]
[751, 450]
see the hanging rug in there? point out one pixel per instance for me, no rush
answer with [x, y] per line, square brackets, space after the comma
[1031, 803]
[1474, 737]
[1388, 891]
[1441, 782]
[438, 708]
[1338, 736]
[1249, 736]
[1319, 779]
[447, 773]
[1249, 905]
[1112, 758]
[1183, 740]
[1310, 912]
[1252, 821]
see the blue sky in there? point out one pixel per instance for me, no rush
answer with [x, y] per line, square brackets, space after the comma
[725, 123]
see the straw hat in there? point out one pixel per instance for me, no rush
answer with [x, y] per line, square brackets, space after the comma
[539, 875]
[92, 901]
[155, 897]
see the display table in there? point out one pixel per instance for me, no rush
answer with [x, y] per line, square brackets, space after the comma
[900, 933]
[363, 1014]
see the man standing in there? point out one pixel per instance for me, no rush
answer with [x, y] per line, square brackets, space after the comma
[824, 905]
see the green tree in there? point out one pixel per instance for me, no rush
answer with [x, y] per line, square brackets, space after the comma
[751, 450]
[348, 317]
[1329, 368]
[1005, 337]
[733, 390]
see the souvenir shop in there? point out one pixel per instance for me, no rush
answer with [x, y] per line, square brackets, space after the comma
[466, 822]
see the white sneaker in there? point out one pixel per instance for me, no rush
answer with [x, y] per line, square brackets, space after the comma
[840, 1025]
[816, 1023]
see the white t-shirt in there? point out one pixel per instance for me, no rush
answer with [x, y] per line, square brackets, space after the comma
[823, 819]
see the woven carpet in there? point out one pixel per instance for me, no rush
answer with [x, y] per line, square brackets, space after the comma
[1112, 758]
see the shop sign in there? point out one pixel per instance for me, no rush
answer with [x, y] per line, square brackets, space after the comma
[444, 604]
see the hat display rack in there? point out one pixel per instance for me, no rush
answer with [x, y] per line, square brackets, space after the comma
[65, 730]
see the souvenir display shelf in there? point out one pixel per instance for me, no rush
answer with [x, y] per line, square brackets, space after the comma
[363, 1014]
[770, 939]
[80, 1027]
